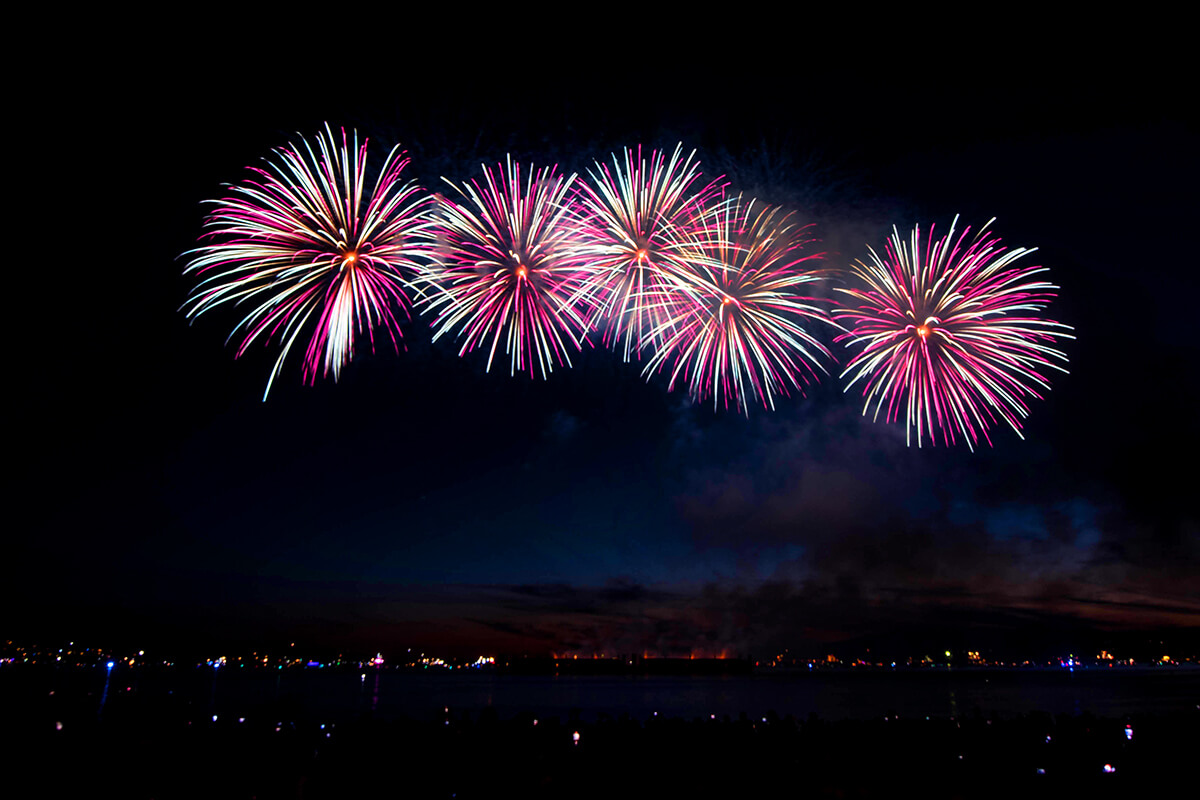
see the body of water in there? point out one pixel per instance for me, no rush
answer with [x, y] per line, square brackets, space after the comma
[831, 695]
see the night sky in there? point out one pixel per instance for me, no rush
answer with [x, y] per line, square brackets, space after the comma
[422, 502]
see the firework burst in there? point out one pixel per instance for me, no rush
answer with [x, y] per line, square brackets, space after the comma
[641, 222]
[504, 269]
[950, 336]
[743, 331]
[298, 244]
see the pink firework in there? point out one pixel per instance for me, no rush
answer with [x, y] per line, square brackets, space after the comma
[745, 330]
[951, 337]
[312, 260]
[641, 223]
[504, 269]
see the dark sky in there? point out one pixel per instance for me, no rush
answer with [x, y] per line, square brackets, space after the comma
[422, 502]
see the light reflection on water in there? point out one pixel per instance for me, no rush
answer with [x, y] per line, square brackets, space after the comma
[104, 695]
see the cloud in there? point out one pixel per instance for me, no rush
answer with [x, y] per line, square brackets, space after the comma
[878, 535]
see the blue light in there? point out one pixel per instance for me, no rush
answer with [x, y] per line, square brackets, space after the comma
[111, 665]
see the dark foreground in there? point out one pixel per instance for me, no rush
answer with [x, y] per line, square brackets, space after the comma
[165, 750]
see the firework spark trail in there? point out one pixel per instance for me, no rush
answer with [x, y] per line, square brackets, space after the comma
[743, 331]
[640, 227]
[297, 242]
[505, 269]
[954, 338]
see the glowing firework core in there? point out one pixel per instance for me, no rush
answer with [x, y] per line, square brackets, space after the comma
[922, 331]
